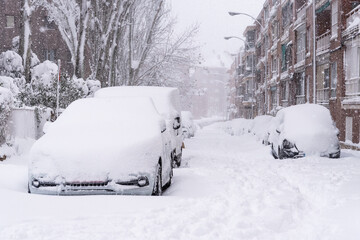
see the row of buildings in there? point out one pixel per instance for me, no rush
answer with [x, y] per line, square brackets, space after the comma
[299, 51]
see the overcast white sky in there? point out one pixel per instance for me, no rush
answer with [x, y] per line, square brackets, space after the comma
[215, 23]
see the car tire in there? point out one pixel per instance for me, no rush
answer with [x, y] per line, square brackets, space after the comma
[157, 190]
[273, 152]
[28, 187]
[335, 155]
[178, 159]
[280, 153]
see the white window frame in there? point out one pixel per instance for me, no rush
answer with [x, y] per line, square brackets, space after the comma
[334, 18]
[333, 79]
[349, 128]
[10, 21]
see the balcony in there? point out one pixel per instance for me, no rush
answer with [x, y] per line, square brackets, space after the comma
[352, 24]
[352, 15]
[322, 96]
[323, 43]
[353, 87]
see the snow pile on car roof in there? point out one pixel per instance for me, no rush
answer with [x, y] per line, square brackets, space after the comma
[94, 138]
[309, 126]
[165, 98]
[261, 126]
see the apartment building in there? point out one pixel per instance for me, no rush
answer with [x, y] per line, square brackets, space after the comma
[46, 40]
[299, 60]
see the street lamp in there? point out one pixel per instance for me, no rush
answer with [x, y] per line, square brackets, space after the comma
[262, 29]
[252, 72]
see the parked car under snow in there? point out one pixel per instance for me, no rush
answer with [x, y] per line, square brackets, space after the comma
[304, 130]
[103, 146]
[188, 126]
[166, 101]
[261, 128]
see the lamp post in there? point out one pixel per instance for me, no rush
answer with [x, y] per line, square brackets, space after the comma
[262, 29]
[252, 73]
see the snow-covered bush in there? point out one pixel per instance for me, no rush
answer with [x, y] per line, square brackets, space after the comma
[93, 86]
[10, 84]
[11, 64]
[6, 101]
[42, 90]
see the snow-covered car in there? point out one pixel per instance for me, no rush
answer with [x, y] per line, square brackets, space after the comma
[261, 128]
[305, 129]
[167, 102]
[188, 126]
[103, 146]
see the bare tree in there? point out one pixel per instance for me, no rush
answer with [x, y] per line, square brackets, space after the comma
[71, 18]
[25, 39]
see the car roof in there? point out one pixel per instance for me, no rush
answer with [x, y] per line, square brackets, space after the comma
[166, 99]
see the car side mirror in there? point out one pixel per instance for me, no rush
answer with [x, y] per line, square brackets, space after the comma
[177, 123]
[278, 131]
[163, 126]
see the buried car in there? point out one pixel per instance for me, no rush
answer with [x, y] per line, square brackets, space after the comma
[103, 146]
[305, 129]
[166, 101]
[188, 126]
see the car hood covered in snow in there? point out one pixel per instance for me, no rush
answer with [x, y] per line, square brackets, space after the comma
[99, 139]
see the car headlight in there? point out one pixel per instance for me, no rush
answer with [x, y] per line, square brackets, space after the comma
[35, 183]
[143, 181]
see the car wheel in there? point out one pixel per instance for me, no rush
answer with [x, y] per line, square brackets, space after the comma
[29, 188]
[335, 155]
[173, 160]
[157, 191]
[178, 159]
[273, 152]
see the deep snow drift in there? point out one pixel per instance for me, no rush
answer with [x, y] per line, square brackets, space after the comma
[229, 187]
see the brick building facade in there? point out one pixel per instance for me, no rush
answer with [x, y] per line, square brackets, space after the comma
[46, 40]
[284, 46]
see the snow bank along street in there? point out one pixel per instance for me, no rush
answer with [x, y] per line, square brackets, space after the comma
[229, 187]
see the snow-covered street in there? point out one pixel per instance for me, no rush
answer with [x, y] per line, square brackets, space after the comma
[229, 187]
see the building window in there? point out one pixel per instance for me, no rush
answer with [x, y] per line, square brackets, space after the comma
[349, 129]
[334, 18]
[333, 79]
[266, 13]
[301, 45]
[287, 14]
[273, 96]
[10, 21]
[274, 65]
[285, 91]
[286, 57]
[275, 31]
[49, 54]
[326, 78]
[49, 25]
[300, 88]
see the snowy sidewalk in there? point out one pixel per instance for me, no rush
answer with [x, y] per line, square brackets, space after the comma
[229, 188]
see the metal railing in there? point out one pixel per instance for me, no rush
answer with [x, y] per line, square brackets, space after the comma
[352, 87]
[322, 95]
[350, 17]
[301, 11]
[323, 42]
